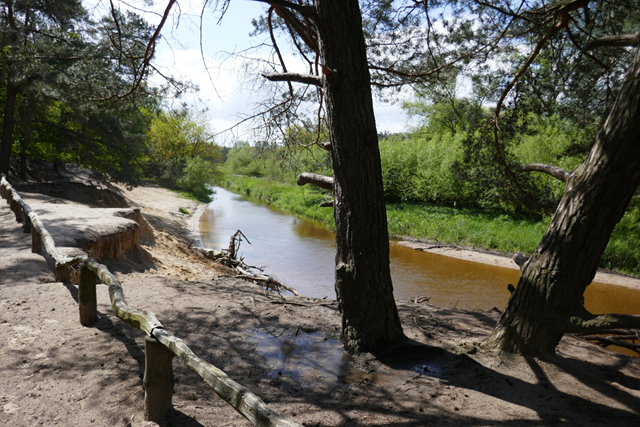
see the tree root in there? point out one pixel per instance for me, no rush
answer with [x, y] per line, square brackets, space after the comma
[625, 338]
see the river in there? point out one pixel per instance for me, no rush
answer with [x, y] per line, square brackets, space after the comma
[301, 254]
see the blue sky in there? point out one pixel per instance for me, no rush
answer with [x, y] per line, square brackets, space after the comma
[223, 89]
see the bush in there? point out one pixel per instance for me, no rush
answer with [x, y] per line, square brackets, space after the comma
[198, 176]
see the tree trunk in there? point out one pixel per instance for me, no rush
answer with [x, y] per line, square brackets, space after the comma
[549, 299]
[363, 281]
[7, 129]
[27, 132]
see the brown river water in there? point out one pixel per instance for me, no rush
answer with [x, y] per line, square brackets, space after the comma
[301, 254]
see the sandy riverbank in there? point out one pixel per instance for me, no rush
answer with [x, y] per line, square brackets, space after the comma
[506, 262]
[286, 350]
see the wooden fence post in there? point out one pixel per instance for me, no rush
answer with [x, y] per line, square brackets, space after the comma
[27, 223]
[62, 273]
[87, 300]
[17, 210]
[158, 379]
[36, 241]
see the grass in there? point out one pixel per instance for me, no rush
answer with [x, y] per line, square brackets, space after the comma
[473, 228]
[190, 196]
[302, 201]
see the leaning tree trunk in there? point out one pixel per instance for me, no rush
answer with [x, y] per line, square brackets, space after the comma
[363, 281]
[549, 299]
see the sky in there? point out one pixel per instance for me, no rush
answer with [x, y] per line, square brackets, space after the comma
[223, 91]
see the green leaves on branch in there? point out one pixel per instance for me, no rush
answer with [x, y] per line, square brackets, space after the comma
[183, 151]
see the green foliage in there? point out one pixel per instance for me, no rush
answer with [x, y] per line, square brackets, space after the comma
[622, 253]
[286, 197]
[184, 211]
[80, 96]
[279, 163]
[474, 228]
[420, 168]
[198, 176]
[552, 141]
[183, 152]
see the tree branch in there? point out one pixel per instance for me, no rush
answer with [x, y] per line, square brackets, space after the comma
[520, 260]
[294, 77]
[554, 171]
[607, 341]
[596, 324]
[304, 10]
[316, 179]
[618, 40]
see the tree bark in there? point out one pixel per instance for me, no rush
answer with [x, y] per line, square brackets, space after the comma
[364, 290]
[549, 299]
[7, 129]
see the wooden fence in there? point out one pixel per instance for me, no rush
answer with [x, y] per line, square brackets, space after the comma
[160, 344]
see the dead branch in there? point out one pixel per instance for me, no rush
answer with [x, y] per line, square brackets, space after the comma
[607, 341]
[562, 13]
[234, 243]
[554, 171]
[520, 260]
[304, 10]
[328, 204]
[283, 302]
[277, 49]
[618, 332]
[617, 40]
[305, 32]
[321, 181]
[294, 77]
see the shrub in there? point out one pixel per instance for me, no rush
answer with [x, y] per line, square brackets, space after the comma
[199, 175]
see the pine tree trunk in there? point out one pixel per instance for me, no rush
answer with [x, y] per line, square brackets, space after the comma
[363, 280]
[6, 142]
[552, 284]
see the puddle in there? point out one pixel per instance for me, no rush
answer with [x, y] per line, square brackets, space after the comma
[306, 357]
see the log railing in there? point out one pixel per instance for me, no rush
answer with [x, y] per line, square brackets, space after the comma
[160, 344]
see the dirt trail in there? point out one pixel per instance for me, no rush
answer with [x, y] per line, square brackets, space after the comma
[53, 371]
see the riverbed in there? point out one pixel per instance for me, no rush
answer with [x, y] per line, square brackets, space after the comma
[301, 253]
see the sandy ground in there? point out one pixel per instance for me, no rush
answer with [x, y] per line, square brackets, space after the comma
[285, 349]
[506, 262]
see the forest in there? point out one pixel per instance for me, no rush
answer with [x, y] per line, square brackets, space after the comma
[76, 89]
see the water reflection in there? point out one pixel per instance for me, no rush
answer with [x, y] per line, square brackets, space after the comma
[301, 254]
[307, 357]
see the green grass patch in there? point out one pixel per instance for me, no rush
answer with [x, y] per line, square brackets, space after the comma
[472, 228]
[302, 201]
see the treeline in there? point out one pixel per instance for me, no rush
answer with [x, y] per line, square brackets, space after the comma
[75, 89]
[443, 180]
[447, 159]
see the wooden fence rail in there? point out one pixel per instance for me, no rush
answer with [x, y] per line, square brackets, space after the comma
[160, 345]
